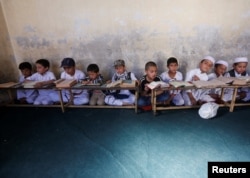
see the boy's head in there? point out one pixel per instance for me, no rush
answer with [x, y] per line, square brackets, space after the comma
[240, 64]
[119, 66]
[93, 71]
[220, 67]
[206, 64]
[25, 68]
[151, 70]
[68, 65]
[42, 66]
[172, 64]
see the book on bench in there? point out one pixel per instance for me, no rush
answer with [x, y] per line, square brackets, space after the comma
[157, 84]
[243, 80]
[128, 83]
[114, 84]
[29, 84]
[178, 84]
[8, 84]
[209, 84]
[65, 83]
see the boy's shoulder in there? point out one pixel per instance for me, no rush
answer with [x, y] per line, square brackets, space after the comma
[194, 70]
[157, 78]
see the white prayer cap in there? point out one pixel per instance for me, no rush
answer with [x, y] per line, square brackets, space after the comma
[208, 110]
[210, 58]
[240, 59]
[225, 63]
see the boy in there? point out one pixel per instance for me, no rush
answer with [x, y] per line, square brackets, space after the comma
[239, 69]
[25, 96]
[121, 97]
[220, 67]
[192, 97]
[170, 75]
[97, 96]
[45, 77]
[145, 96]
[80, 97]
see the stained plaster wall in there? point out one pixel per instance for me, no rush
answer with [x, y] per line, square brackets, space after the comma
[93, 31]
[7, 59]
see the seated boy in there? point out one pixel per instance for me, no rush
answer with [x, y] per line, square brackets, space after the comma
[121, 97]
[198, 96]
[172, 74]
[28, 95]
[43, 77]
[97, 96]
[145, 95]
[239, 69]
[220, 67]
[80, 97]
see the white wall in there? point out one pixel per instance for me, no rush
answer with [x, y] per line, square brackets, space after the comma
[94, 31]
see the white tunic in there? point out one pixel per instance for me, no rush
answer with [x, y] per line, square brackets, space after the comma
[229, 91]
[78, 76]
[45, 77]
[199, 94]
[177, 100]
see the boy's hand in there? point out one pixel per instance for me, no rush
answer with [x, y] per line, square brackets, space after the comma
[193, 101]
[195, 78]
[109, 81]
[242, 94]
[86, 82]
[146, 88]
[38, 85]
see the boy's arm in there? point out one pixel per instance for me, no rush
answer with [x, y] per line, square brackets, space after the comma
[191, 97]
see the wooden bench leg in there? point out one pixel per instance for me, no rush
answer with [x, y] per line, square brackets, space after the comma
[136, 101]
[233, 100]
[61, 100]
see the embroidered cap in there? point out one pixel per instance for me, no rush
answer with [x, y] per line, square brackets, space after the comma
[225, 63]
[240, 59]
[210, 58]
[68, 62]
[119, 62]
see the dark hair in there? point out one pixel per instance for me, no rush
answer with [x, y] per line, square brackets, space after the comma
[43, 62]
[25, 65]
[93, 68]
[150, 64]
[172, 60]
[217, 65]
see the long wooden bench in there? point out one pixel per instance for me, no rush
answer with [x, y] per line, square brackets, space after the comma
[62, 105]
[230, 104]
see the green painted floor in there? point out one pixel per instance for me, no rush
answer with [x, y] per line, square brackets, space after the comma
[106, 143]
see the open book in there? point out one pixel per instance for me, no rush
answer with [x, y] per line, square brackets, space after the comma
[114, 84]
[30, 84]
[243, 80]
[128, 83]
[156, 84]
[178, 84]
[8, 84]
[211, 83]
[66, 83]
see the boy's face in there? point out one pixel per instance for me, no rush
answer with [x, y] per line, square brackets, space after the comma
[41, 69]
[93, 75]
[240, 67]
[173, 67]
[70, 70]
[120, 69]
[220, 69]
[151, 72]
[26, 72]
[206, 65]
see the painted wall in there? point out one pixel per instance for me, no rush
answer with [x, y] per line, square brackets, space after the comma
[7, 60]
[93, 31]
